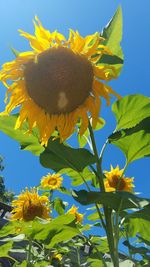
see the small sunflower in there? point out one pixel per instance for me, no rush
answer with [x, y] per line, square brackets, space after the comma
[113, 181]
[51, 181]
[74, 210]
[58, 82]
[57, 256]
[29, 205]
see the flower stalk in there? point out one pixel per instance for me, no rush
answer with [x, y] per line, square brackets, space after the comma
[107, 210]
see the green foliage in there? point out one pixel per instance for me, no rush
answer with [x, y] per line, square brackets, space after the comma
[26, 141]
[132, 133]
[134, 142]
[115, 200]
[78, 177]
[139, 223]
[59, 206]
[112, 35]
[50, 232]
[4, 249]
[58, 156]
[130, 110]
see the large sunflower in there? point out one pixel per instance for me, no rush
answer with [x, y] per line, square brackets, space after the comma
[115, 181]
[58, 82]
[29, 205]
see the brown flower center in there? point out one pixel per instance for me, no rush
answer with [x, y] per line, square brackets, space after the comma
[52, 181]
[31, 210]
[117, 183]
[59, 80]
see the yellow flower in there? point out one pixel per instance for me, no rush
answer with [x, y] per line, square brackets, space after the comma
[58, 82]
[51, 181]
[57, 256]
[74, 210]
[113, 181]
[29, 205]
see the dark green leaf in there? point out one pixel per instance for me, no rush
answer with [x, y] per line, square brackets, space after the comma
[115, 200]
[58, 156]
[130, 110]
[141, 250]
[27, 142]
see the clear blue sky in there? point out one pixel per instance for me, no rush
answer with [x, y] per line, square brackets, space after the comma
[21, 167]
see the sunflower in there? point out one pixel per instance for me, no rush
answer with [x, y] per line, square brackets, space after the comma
[114, 181]
[29, 205]
[51, 181]
[74, 210]
[58, 82]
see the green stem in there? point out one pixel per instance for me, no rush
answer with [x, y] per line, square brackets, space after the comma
[29, 254]
[116, 231]
[96, 205]
[107, 210]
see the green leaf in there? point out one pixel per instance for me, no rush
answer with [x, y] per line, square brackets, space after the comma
[115, 200]
[139, 223]
[58, 156]
[65, 234]
[83, 139]
[27, 142]
[17, 238]
[59, 206]
[134, 142]
[126, 263]
[93, 217]
[130, 110]
[78, 177]
[112, 34]
[95, 262]
[23, 264]
[4, 249]
[41, 264]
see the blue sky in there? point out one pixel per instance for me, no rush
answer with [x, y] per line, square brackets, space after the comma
[21, 167]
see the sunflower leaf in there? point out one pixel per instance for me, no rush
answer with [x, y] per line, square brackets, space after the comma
[130, 110]
[112, 35]
[78, 177]
[115, 200]
[59, 206]
[27, 142]
[134, 142]
[5, 248]
[139, 223]
[58, 156]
